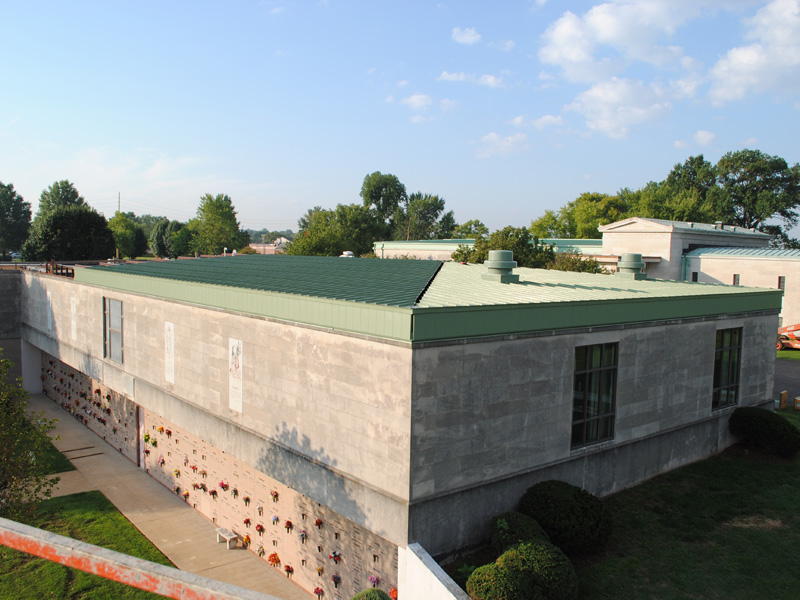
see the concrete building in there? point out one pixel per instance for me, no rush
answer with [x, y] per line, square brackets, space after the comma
[352, 415]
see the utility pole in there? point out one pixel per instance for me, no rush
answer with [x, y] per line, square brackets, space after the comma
[119, 196]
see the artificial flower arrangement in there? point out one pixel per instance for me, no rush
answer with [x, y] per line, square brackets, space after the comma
[289, 525]
[247, 500]
[374, 580]
[185, 494]
[260, 510]
[275, 519]
[203, 473]
[247, 522]
[318, 523]
[160, 429]
[274, 559]
[169, 433]
[335, 556]
[320, 570]
[161, 461]
[223, 486]
[260, 529]
[393, 593]
[336, 579]
[235, 492]
[303, 535]
[176, 472]
[213, 494]
[318, 592]
[193, 468]
[289, 570]
[274, 495]
[246, 541]
[146, 437]
[261, 551]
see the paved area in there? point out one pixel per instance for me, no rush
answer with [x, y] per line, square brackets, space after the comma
[186, 537]
[787, 377]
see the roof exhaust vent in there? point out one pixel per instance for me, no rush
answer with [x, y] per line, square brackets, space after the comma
[719, 225]
[630, 267]
[501, 266]
[347, 254]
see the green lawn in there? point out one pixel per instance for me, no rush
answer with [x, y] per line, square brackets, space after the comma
[89, 517]
[724, 528]
[789, 354]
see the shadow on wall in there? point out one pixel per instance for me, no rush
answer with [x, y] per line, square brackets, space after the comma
[297, 464]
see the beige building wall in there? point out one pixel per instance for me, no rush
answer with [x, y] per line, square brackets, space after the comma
[753, 272]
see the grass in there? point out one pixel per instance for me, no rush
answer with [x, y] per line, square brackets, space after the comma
[89, 517]
[789, 354]
[726, 527]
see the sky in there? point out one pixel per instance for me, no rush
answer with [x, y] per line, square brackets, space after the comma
[504, 109]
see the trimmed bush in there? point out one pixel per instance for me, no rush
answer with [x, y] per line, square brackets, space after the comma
[575, 520]
[543, 567]
[371, 594]
[512, 528]
[766, 430]
[492, 582]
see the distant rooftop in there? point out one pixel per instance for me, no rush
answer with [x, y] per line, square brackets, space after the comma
[778, 253]
[421, 300]
[688, 226]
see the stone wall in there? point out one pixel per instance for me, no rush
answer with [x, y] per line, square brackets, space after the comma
[303, 534]
[491, 418]
[11, 318]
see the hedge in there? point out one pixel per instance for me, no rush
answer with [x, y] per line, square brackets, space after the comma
[766, 430]
[371, 594]
[512, 528]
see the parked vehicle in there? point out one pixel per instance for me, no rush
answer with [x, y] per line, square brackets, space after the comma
[788, 337]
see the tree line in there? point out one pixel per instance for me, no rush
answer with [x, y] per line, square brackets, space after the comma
[67, 228]
[747, 188]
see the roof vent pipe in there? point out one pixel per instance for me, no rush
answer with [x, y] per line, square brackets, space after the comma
[347, 254]
[501, 266]
[630, 267]
[719, 225]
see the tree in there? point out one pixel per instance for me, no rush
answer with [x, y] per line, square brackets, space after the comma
[528, 251]
[577, 263]
[24, 447]
[15, 219]
[217, 226]
[61, 193]
[351, 227]
[157, 241]
[181, 238]
[383, 193]
[754, 187]
[124, 231]
[75, 232]
[472, 229]
[417, 217]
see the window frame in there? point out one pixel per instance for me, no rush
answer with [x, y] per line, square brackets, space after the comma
[594, 425]
[112, 333]
[727, 373]
[736, 279]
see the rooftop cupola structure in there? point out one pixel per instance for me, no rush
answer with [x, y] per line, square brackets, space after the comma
[501, 266]
[630, 266]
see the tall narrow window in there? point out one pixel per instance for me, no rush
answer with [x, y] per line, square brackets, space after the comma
[782, 282]
[594, 393]
[112, 329]
[735, 279]
[726, 368]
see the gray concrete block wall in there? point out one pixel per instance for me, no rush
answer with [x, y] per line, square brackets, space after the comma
[488, 410]
[11, 319]
[332, 412]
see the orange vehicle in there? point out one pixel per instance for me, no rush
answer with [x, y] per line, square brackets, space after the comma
[787, 337]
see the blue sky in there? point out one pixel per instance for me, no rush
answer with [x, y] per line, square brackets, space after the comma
[504, 109]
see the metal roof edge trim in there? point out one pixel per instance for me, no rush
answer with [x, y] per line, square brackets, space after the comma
[375, 320]
[451, 322]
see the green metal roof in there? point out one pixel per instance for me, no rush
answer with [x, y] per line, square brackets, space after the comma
[423, 301]
[779, 253]
[395, 283]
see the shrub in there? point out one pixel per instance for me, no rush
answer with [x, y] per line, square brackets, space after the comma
[575, 520]
[542, 567]
[511, 528]
[371, 594]
[492, 582]
[766, 430]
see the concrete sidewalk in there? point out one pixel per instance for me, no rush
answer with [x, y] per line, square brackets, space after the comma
[186, 537]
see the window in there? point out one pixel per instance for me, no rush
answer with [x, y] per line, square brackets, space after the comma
[735, 279]
[593, 394]
[694, 276]
[782, 282]
[112, 329]
[726, 368]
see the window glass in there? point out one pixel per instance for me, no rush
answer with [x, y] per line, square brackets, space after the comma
[594, 391]
[727, 366]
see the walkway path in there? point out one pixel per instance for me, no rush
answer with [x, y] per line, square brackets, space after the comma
[186, 537]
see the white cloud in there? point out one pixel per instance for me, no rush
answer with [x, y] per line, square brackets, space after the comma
[488, 80]
[402, 83]
[466, 36]
[277, 10]
[540, 123]
[680, 144]
[420, 119]
[750, 142]
[704, 138]
[612, 107]
[503, 45]
[492, 144]
[771, 63]
[447, 104]
[418, 101]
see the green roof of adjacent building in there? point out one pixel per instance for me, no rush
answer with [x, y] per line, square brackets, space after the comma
[422, 301]
[780, 253]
